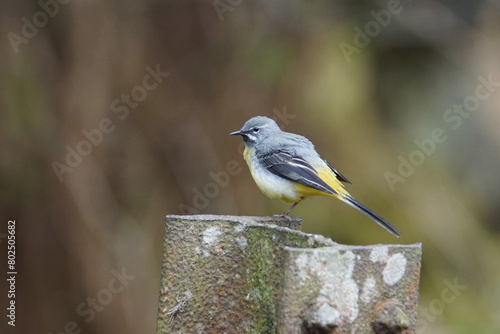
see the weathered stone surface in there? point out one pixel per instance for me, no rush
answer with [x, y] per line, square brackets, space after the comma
[222, 274]
[350, 289]
[231, 274]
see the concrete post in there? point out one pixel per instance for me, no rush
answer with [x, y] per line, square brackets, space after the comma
[232, 274]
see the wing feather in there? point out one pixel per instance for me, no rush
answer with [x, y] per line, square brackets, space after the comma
[296, 169]
[337, 173]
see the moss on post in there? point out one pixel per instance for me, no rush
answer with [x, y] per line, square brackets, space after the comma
[222, 274]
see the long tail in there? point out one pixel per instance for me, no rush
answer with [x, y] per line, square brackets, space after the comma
[364, 210]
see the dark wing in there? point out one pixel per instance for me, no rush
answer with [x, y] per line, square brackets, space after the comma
[294, 168]
[337, 173]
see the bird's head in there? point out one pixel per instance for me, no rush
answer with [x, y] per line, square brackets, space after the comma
[257, 129]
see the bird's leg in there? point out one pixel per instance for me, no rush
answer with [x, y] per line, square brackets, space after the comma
[285, 214]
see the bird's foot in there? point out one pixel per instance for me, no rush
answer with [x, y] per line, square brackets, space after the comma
[284, 215]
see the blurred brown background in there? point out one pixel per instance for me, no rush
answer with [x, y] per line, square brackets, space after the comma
[116, 113]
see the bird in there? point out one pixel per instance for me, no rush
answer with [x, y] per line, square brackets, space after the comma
[285, 166]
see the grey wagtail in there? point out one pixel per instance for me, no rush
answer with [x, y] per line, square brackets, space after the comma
[286, 166]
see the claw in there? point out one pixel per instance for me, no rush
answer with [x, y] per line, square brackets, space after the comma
[283, 215]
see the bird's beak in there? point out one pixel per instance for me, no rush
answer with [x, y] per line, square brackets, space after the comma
[236, 133]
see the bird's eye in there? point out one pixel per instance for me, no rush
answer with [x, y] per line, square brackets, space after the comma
[255, 129]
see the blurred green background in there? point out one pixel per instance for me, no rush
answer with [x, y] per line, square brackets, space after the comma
[377, 86]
